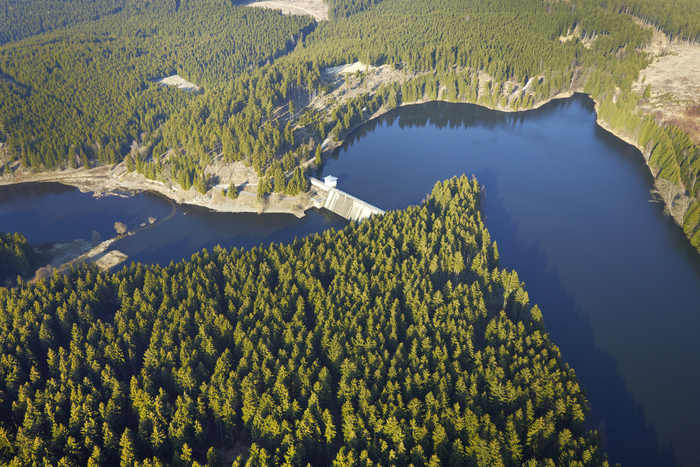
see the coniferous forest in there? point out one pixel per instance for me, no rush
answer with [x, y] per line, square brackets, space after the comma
[396, 341]
[17, 257]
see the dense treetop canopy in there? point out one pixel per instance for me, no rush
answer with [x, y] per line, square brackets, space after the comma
[86, 93]
[393, 342]
[17, 257]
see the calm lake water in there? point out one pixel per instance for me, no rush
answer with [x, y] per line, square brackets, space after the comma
[51, 212]
[567, 203]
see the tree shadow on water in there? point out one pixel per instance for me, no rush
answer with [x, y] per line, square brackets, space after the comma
[628, 437]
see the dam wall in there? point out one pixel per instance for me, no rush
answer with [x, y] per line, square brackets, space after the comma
[343, 204]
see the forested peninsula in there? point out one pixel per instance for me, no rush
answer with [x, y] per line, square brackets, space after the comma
[396, 341]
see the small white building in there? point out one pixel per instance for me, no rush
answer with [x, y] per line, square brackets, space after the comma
[330, 181]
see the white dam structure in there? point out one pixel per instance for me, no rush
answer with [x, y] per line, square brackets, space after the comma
[343, 204]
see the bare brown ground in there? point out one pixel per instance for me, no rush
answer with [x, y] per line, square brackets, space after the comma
[114, 180]
[66, 255]
[674, 77]
[587, 41]
[316, 8]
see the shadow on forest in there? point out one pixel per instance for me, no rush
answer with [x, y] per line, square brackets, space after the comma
[627, 436]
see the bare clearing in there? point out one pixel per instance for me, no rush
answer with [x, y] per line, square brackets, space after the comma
[674, 79]
[178, 81]
[66, 255]
[350, 80]
[316, 8]
[576, 35]
[346, 82]
[350, 68]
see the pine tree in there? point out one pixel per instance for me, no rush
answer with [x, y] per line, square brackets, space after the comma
[232, 191]
[278, 177]
[317, 159]
[392, 101]
[264, 188]
[127, 449]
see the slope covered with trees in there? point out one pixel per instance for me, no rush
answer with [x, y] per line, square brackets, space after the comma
[82, 96]
[17, 256]
[393, 342]
[341, 9]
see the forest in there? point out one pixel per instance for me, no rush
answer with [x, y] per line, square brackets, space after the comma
[17, 257]
[82, 96]
[396, 341]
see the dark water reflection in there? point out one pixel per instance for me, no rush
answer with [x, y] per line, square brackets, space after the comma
[567, 203]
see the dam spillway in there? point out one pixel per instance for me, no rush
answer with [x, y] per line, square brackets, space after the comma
[343, 204]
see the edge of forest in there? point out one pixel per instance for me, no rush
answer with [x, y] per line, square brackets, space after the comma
[102, 181]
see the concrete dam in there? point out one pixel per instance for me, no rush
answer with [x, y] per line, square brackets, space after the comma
[341, 203]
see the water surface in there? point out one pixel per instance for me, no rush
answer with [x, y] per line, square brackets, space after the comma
[568, 205]
[51, 212]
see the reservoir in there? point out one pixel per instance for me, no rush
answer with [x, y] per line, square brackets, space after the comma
[51, 212]
[568, 205]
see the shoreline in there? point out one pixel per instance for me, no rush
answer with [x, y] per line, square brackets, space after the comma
[100, 181]
[114, 181]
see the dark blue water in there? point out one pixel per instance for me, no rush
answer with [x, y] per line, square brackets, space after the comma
[51, 212]
[567, 203]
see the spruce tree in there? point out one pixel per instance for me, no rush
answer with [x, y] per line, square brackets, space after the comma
[317, 159]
